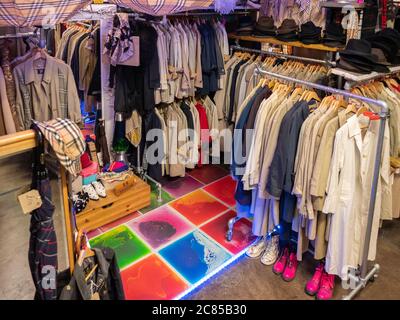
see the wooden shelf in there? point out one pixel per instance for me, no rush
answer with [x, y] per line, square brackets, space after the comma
[17, 142]
[108, 209]
[297, 44]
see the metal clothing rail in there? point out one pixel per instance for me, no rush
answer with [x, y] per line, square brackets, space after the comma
[363, 276]
[17, 35]
[283, 55]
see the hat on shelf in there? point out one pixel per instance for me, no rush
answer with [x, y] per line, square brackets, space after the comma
[334, 35]
[394, 36]
[265, 27]
[358, 53]
[246, 26]
[310, 33]
[381, 56]
[348, 66]
[288, 30]
[386, 44]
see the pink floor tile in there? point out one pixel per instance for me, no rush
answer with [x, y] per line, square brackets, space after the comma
[94, 233]
[198, 207]
[224, 190]
[178, 187]
[118, 222]
[160, 226]
[242, 235]
[208, 173]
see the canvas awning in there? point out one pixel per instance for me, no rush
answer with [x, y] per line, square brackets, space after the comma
[26, 13]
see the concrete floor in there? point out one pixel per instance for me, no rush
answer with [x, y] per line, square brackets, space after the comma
[15, 277]
[246, 279]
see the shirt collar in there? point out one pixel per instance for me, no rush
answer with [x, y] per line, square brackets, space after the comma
[29, 70]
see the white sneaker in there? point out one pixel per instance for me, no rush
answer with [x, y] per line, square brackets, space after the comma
[91, 192]
[100, 190]
[256, 249]
[271, 252]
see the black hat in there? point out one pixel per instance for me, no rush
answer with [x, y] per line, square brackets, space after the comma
[265, 27]
[386, 44]
[310, 34]
[358, 48]
[365, 64]
[288, 26]
[381, 56]
[245, 21]
[347, 65]
[335, 31]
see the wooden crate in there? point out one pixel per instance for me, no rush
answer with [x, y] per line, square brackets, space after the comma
[106, 210]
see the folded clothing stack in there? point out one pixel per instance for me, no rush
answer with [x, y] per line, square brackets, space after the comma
[334, 35]
[288, 31]
[246, 26]
[358, 57]
[265, 27]
[310, 33]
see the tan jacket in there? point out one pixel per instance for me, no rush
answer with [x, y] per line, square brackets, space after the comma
[9, 124]
[53, 95]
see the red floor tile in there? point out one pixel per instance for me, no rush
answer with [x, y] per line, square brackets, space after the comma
[151, 279]
[242, 235]
[208, 173]
[178, 187]
[94, 233]
[116, 223]
[198, 207]
[224, 190]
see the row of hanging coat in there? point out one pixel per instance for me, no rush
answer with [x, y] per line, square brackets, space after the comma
[158, 62]
[36, 86]
[187, 128]
[310, 164]
[79, 47]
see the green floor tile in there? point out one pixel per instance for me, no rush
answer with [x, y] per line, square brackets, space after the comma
[127, 246]
[154, 203]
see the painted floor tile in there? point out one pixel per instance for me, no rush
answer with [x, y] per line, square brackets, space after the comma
[198, 207]
[123, 220]
[195, 256]
[242, 235]
[127, 246]
[224, 190]
[94, 233]
[160, 226]
[208, 173]
[151, 279]
[154, 203]
[180, 186]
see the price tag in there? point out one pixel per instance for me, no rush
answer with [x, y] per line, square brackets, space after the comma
[30, 201]
[98, 1]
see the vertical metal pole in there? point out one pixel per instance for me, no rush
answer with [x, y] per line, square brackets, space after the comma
[372, 200]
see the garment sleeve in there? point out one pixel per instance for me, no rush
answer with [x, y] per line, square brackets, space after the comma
[332, 190]
[386, 202]
[19, 102]
[74, 109]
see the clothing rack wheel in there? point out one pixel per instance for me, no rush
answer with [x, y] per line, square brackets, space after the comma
[231, 224]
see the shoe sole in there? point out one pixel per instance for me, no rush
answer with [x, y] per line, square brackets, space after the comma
[288, 280]
[265, 264]
[310, 293]
[253, 257]
[276, 272]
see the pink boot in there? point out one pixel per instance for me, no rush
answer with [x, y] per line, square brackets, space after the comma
[280, 265]
[325, 291]
[290, 271]
[313, 284]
